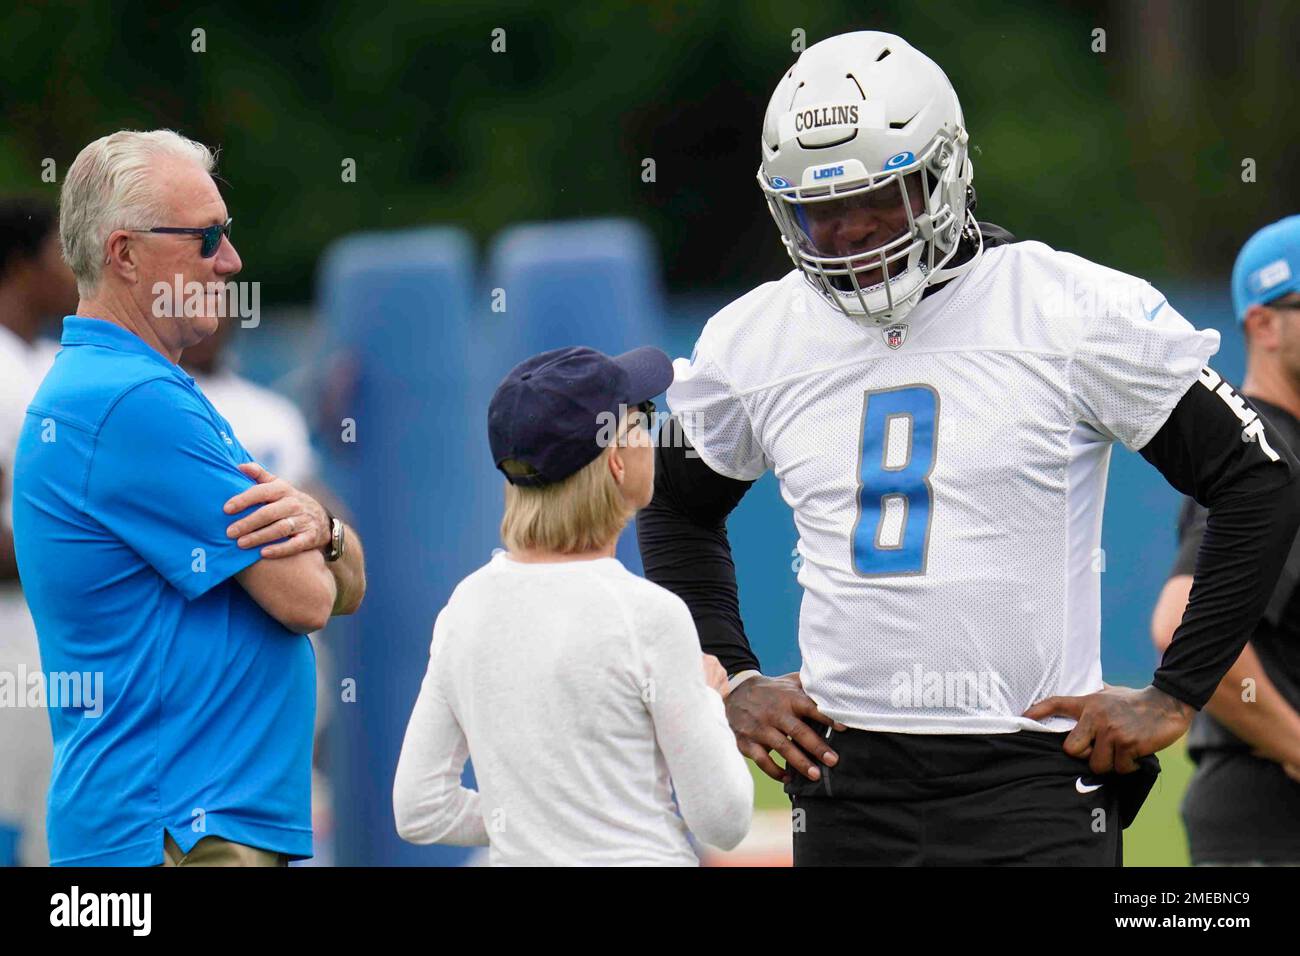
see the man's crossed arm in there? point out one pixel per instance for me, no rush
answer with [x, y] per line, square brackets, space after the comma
[293, 582]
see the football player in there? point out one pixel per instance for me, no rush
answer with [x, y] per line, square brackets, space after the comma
[939, 403]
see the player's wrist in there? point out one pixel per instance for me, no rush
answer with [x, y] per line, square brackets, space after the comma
[735, 680]
[1170, 697]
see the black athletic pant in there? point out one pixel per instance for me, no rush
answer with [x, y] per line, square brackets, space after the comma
[960, 800]
[1241, 809]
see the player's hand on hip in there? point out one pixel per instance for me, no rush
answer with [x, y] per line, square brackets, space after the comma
[767, 714]
[715, 675]
[293, 519]
[1118, 725]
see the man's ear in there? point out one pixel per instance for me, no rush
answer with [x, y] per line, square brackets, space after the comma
[120, 255]
[1261, 327]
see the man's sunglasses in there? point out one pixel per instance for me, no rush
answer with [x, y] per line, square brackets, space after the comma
[211, 235]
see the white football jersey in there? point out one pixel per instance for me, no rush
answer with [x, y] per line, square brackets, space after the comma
[947, 474]
[26, 749]
[21, 371]
[269, 425]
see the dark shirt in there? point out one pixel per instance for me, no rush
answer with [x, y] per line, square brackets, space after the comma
[1277, 638]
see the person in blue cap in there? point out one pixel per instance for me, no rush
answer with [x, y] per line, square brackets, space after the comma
[574, 685]
[1243, 803]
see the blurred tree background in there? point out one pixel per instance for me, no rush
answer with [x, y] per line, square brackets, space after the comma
[1132, 156]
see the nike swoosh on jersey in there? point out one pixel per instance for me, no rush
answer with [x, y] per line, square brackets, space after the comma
[1085, 788]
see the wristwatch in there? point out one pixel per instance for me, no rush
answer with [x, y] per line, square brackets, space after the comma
[334, 550]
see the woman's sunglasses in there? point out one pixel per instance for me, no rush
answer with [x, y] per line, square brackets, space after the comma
[211, 235]
[642, 414]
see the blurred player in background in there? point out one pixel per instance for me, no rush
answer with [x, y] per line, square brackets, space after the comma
[276, 434]
[939, 404]
[1242, 806]
[573, 685]
[36, 287]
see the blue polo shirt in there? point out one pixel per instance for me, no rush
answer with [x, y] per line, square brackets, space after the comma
[205, 723]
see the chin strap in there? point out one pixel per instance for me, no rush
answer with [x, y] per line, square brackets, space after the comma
[972, 238]
[971, 234]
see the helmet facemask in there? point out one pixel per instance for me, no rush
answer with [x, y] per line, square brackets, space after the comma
[871, 244]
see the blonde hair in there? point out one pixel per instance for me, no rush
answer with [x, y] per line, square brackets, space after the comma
[109, 186]
[584, 512]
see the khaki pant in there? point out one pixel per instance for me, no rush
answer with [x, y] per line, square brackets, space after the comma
[214, 851]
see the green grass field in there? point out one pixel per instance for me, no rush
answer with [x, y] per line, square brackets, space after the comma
[1155, 839]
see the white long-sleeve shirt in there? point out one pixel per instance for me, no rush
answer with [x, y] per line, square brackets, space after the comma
[576, 688]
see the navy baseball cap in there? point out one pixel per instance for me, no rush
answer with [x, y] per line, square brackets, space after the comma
[1268, 266]
[550, 410]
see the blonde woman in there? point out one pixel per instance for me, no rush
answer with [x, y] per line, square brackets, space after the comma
[575, 686]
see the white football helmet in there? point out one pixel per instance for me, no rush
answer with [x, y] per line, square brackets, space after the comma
[866, 172]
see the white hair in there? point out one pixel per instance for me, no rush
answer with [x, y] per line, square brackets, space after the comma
[109, 186]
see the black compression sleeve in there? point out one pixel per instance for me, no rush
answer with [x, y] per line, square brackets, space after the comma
[684, 548]
[1215, 448]
[1191, 531]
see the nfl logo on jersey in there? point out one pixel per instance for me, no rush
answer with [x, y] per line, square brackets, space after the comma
[895, 335]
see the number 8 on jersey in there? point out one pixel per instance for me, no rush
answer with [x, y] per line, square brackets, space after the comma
[891, 535]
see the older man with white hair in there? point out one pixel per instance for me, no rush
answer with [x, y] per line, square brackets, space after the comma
[172, 579]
